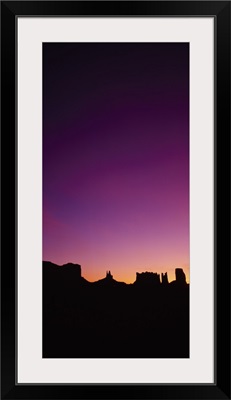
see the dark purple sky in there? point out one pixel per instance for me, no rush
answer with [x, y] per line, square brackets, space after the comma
[116, 157]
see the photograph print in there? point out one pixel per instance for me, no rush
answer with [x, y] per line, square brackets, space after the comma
[116, 265]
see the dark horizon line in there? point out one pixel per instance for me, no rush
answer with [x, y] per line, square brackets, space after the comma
[161, 274]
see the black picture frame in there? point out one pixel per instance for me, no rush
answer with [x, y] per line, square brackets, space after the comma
[220, 10]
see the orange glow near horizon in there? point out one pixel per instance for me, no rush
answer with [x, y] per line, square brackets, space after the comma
[131, 278]
[128, 274]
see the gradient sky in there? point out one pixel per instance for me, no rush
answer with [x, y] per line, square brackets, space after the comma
[116, 157]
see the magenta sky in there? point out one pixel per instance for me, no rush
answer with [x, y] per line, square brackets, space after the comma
[116, 157]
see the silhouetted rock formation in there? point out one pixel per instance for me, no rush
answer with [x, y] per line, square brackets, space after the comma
[108, 281]
[180, 276]
[82, 319]
[62, 277]
[164, 278]
[147, 278]
[74, 269]
[109, 276]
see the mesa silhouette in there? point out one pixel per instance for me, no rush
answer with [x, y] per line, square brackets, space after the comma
[111, 319]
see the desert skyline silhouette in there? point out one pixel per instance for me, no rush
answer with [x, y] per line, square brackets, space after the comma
[112, 319]
[143, 273]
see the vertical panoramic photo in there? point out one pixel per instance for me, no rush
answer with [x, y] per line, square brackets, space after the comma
[116, 200]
